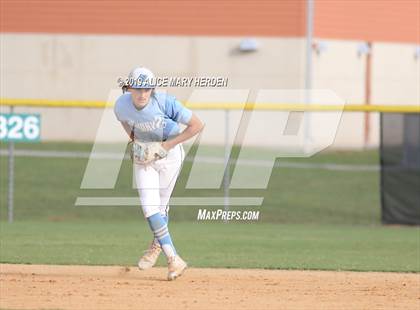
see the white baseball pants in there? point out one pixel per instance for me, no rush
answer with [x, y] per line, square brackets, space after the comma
[155, 181]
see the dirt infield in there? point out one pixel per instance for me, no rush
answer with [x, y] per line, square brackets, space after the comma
[97, 287]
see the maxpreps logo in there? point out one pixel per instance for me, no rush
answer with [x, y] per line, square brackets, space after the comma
[266, 125]
[227, 215]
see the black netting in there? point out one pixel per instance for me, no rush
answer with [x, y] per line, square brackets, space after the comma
[400, 168]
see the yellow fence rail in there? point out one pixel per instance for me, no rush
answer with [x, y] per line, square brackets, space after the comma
[221, 106]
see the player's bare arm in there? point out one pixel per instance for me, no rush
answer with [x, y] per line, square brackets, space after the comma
[127, 129]
[194, 126]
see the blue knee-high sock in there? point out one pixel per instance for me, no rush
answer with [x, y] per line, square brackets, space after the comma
[166, 218]
[160, 229]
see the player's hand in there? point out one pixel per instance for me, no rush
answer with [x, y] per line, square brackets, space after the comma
[167, 145]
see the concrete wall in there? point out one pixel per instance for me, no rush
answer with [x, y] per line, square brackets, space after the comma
[395, 80]
[86, 67]
[338, 67]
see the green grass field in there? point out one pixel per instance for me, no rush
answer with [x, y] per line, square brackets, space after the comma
[310, 219]
[208, 244]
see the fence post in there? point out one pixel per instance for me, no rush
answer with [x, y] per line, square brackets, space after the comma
[11, 176]
[226, 179]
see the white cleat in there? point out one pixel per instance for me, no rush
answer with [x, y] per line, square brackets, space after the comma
[176, 266]
[148, 260]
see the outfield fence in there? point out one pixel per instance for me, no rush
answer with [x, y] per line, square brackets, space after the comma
[226, 107]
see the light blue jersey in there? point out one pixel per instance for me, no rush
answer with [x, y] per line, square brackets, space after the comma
[157, 121]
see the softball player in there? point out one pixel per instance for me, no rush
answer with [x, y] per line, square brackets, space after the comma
[151, 119]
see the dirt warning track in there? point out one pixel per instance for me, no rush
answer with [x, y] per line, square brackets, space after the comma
[112, 287]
